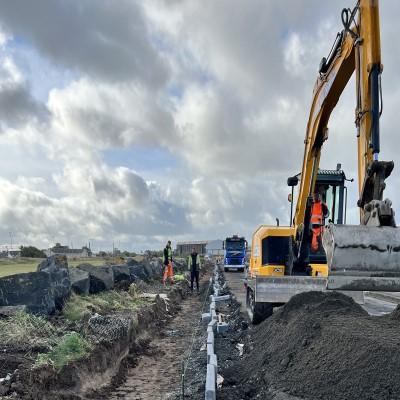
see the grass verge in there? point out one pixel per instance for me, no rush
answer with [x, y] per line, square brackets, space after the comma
[101, 303]
[27, 329]
[71, 347]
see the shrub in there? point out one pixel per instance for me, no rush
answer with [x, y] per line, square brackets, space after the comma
[32, 252]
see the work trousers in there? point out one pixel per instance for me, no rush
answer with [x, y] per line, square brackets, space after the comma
[168, 273]
[194, 275]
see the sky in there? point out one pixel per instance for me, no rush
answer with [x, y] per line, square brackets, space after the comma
[135, 122]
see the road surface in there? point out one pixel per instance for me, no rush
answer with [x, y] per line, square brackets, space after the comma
[374, 306]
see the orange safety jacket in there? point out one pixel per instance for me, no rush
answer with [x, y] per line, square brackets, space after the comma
[317, 213]
[317, 218]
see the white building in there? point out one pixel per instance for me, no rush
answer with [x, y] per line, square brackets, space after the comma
[58, 249]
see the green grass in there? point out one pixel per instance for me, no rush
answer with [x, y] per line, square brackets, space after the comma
[23, 328]
[22, 265]
[102, 303]
[18, 266]
[71, 347]
[179, 277]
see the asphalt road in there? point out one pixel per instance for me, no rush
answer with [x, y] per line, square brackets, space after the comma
[372, 305]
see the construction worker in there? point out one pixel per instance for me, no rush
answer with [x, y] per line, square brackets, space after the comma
[319, 211]
[194, 268]
[168, 270]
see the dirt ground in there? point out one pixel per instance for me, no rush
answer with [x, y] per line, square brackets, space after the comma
[157, 373]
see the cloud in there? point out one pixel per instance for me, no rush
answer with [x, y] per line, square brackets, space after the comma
[17, 106]
[98, 39]
[103, 115]
[101, 204]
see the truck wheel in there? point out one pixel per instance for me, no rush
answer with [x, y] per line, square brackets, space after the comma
[241, 270]
[257, 312]
[225, 269]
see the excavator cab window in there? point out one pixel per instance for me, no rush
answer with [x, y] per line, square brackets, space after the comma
[330, 186]
[274, 250]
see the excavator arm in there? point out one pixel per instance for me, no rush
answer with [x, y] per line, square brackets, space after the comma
[334, 76]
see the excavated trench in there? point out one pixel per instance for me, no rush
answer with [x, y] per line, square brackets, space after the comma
[136, 355]
[157, 373]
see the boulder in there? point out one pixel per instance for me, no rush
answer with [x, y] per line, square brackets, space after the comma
[131, 262]
[80, 281]
[101, 278]
[121, 273]
[122, 276]
[57, 268]
[139, 272]
[157, 267]
[33, 290]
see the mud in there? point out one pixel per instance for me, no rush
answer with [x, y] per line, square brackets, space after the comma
[319, 346]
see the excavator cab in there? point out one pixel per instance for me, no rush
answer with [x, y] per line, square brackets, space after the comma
[330, 186]
[274, 274]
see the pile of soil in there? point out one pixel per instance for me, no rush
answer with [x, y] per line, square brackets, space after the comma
[320, 346]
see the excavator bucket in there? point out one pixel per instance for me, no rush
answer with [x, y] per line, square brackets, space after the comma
[279, 289]
[362, 258]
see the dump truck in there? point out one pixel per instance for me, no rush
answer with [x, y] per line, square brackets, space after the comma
[320, 252]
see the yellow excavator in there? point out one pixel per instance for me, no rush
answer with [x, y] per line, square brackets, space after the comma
[351, 258]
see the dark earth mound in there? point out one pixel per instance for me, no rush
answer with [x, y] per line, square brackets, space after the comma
[321, 346]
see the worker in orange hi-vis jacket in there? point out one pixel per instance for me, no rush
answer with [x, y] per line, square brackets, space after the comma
[168, 270]
[319, 212]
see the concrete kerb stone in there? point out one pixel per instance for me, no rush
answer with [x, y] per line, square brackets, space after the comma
[210, 338]
[213, 361]
[212, 307]
[212, 318]
[210, 351]
[210, 383]
[221, 298]
[206, 318]
[213, 324]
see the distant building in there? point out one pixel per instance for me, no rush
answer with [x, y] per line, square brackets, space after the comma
[58, 249]
[215, 248]
[185, 248]
[10, 252]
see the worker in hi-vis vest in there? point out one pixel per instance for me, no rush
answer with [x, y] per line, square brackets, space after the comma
[194, 268]
[168, 270]
[319, 212]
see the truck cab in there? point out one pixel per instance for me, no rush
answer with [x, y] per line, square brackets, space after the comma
[235, 253]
